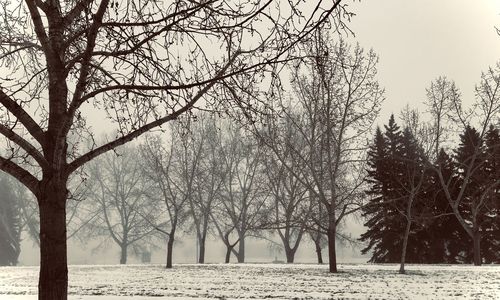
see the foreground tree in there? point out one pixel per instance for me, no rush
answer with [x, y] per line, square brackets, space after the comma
[79, 213]
[141, 64]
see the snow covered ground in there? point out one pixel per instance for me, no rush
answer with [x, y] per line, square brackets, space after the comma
[259, 281]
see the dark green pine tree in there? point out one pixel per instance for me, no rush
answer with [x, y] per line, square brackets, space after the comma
[395, 222]
[377, 178]
[491, 228]
[385, 223]
[10, 224]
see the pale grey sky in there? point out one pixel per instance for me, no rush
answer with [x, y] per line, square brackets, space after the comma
[418, 41]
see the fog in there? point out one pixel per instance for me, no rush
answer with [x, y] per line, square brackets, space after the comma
[185, 251]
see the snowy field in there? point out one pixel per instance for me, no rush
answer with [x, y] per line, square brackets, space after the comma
[262, 281]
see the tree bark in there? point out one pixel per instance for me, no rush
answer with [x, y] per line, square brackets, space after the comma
[53, 280]
[332, 255]
[241, 250]
[201, 258]
[124, 254]
[317, 244]
[403, 249]
[170, 248]
[229, 249]
[290, 255]
[477, 247]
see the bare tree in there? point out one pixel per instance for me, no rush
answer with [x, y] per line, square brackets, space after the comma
[315, 229]
[441, 97]
[243, 196]
[225, 230]
[120, 194]
[412, 174]
[484, 112]
[291, 205]
[339, 98]
[142, 63]
[208, 178]
[410, 184]
[172, 173]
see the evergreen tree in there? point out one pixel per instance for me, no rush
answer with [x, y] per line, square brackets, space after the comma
[491, 228]
[394, 221]
[378, 179]
[385, 222]
[402, 189]
[397, 164]
[10, 224]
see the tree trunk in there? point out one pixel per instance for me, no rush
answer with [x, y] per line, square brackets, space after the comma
[124, 254]
[229, 249]
[53, 280]
[170, 248]
[332, 255]
[201, 258]
[318, 251]
[290, 255]
[403, 249]
[477, 247]
[241, 250]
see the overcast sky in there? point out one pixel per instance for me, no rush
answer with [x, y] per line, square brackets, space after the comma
[418, 41]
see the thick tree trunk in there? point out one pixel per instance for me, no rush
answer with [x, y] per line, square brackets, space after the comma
[53, 280]
[477, 247]
[332, 254]
[201, 258]
[241, 250]
[124, 254]
[319, 254]
[403, 249]
[290, 255]
[170, 243]
[170, 248]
